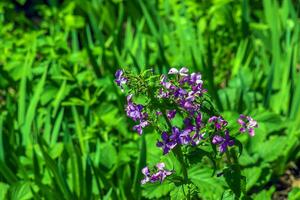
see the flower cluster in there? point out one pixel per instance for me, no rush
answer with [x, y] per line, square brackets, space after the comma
[223, 142]
[247, 124]
[135, 112]
[220, 127]
[183, 89]
[175, 108]
[218, 121]
[182, 137]
[158, 176]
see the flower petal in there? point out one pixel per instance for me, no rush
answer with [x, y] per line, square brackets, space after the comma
[146, 171]
[217, 139]
[173, 71]
[160, 166]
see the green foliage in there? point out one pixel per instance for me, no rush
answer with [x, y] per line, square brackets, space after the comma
[63, 134]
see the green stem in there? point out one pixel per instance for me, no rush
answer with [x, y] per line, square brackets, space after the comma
[179, 155]
[177, 150]
[228, 157]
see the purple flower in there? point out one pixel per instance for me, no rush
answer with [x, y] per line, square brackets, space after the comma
[139, 127]
[188, 124]
[247, 124]
[180, 93]
[147, 175]
[219, 122]
[183, 80]
[189, 105]
[169, 141]
[184, 137]
[223, 142]
[183, 71]
[198, 90]
[198, 122]
[171, 114]
[133, 110]
[162, 94]
[160, 175]
[195, 79]
[164, 82]
[175, 133]
[120, 79]
[191, 96]
[197, 137]
[158, 113]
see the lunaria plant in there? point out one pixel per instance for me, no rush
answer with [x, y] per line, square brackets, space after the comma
[177, 106]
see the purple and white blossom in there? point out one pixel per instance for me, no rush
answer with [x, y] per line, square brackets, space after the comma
[218, 121]
[139, 127]
[158, 176]
[147, 175]
[247, 124]
[168, 141]
[164, 82]
[188, 125]
[198, 121]
[184, 137]
[183, 89]
[197, 137]
[223, 142]
[120, 79]
[177, 94]
[171, 114]
[182, 72]
[195, 79]
[163, 94]
[135, 112]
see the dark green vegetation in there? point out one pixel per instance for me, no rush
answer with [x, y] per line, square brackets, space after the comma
[63, 131]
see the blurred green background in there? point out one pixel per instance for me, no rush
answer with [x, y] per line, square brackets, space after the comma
[63, 131]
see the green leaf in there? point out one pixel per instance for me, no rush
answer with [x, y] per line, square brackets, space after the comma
[234, 179]
[294, 194]
[228, 195]
[252, 174]
[273, 148]
[56, 150]
[201, 177]
[20, 191]
[3, 190]
[179, 192]
[59, 178]
[27, 134]
[7, 173]
[265, 194]
[157, 190]
[108, 155]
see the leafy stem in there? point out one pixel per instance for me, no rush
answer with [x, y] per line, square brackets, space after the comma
[179, 156]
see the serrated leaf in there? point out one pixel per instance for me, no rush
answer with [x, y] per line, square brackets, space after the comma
[201, 177]
[157, 190]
